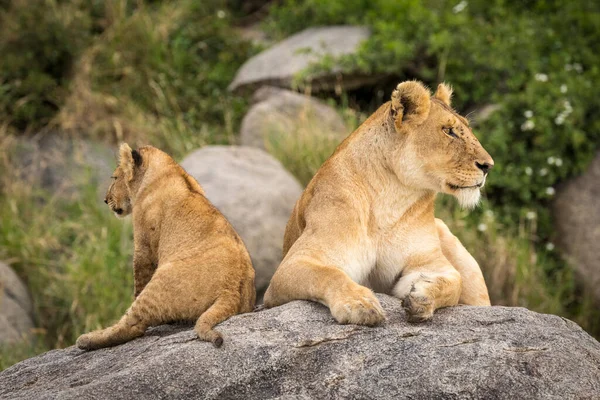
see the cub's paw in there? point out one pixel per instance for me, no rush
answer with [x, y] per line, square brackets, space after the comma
[85, 342]
[418, 308]
[360, 307]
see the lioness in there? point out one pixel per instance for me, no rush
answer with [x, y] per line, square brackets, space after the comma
[188, 262]
[367, 217]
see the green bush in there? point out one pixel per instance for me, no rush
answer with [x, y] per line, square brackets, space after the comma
[537, 60]
[38, 46]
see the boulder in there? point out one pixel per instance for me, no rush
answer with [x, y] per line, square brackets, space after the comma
[479, 115]
[255, 193]
[280, 113]
[281, 63]
[297, 351]
[59, 164]
[576, 211]
[16, 308]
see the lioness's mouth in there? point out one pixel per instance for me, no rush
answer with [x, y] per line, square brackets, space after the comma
[456, 187]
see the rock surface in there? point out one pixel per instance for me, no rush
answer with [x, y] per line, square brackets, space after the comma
[297, 351]
[16, 308]
[279, 64]
[279, 113]
[576, 212]
[255, 193]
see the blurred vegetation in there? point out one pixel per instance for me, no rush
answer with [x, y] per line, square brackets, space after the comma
[151, 72]
[157, 72]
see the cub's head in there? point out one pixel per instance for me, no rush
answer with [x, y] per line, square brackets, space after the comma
[125, 179]
[442, 153]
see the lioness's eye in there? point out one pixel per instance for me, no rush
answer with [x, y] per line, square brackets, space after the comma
[113, 177]
[450, 132]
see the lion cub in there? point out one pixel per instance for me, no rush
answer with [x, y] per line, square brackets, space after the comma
[366, 220]
[188, 263]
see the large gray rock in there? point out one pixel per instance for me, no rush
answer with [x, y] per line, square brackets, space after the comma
[576, 212]
[60, 164]
[281, 114]
[279, 64]
[255, 193]
[16, 308]
[297, 351]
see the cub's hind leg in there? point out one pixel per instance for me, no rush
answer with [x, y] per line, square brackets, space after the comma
[163, 300]
[474, 290]
[142, 314]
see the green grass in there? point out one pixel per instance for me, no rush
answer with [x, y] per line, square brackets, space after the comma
[303, 150]
[73, 254]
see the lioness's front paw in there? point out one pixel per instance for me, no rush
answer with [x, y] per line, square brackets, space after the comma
[418, 308]
[361, 308]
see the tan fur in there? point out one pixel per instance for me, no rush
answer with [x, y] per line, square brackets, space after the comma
[188, 263]
[366, 220]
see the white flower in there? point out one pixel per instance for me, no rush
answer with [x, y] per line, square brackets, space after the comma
[549, 246]
[541, 77]
[560, 119]
[221, 14]
[551, 160]
[528, 125]
[482, 227]
[543, 172]
[489, 213]
[558, 162]
[550, 191]
[577, 67]
[459, 7]
[563, 88]
[530, 215]
[567, 106]
[528, 114]
[528, 171]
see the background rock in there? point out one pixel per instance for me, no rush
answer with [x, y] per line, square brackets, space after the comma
[279, 113]
[280, 63]
[479, 115]
[59, 163]
[297, 351]
[16, 308]
[255, 193]
[576, 211]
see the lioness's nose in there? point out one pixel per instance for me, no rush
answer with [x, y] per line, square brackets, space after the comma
[485, 166]
[105, 201]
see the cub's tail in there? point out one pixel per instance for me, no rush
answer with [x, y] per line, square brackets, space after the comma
[221, 309]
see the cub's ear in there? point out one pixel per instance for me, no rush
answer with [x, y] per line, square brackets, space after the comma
[127, 160]
[444, 93]
[410, 103]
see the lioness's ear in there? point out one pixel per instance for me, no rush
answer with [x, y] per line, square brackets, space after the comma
[126, 161]
[444, 93]
[410, 103]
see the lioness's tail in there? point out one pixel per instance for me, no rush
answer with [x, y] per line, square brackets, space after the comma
[223, 308]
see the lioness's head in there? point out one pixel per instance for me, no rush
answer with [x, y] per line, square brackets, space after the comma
[445, 155]
[120, 192]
